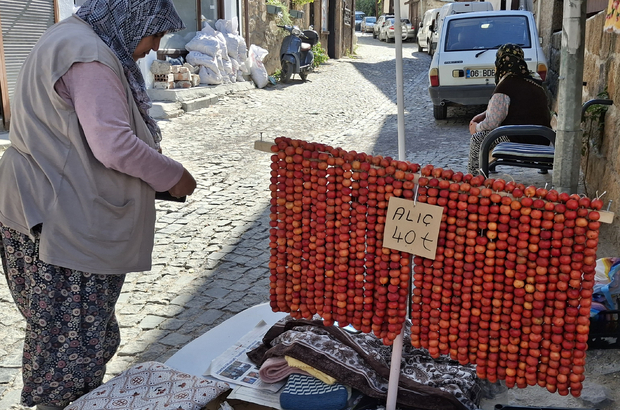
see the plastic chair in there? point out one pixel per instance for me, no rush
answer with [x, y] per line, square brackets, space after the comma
[518, 154]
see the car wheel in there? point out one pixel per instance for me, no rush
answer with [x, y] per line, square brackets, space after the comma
[440, 112]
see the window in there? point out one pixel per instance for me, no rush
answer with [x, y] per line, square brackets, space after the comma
[485, 33]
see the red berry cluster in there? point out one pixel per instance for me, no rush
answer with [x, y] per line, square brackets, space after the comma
[328, 210]
[511, 286]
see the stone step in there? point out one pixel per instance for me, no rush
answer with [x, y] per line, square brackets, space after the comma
[174, 102]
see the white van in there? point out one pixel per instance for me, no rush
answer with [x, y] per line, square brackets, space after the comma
[427, 25]
[455, 8]
[462, 71]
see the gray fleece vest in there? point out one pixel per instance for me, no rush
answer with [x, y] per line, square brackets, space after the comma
[94, 219]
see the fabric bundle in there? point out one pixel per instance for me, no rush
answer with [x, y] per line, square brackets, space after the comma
[303, 392]
[276, 369]
[362, 362]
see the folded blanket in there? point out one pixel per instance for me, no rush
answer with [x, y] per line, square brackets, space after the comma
[309, 393]
[362, 362]
[151, 385]
[276, 368]
[325, 378]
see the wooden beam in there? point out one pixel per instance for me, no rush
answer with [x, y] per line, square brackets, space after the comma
[265, 146]
[4, 86]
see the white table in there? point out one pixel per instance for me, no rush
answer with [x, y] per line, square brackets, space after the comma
[195, 357]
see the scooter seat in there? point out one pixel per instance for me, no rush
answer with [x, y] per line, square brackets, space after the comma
[306, 47]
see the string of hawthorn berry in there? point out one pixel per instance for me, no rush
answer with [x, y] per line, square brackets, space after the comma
[509, 290]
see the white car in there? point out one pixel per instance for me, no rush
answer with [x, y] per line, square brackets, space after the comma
[462, 71]
[387, 31]
[426, 28]
[449, 10]
[379, 23]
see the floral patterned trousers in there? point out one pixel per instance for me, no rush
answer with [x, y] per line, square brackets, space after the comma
[473, 167]
[71, 328]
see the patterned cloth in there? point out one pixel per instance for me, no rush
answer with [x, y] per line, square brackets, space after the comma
[71, 330]
[473, 166]
[362, 362]
[303, 392]
[151, 386]
[121, 24]
[509, 60]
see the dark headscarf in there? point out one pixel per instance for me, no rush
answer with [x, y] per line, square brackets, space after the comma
[510, 60]
[121, 24]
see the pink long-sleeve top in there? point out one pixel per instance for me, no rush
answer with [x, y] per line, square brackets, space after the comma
[104, 116]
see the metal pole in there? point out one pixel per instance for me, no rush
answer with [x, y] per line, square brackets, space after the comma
[398, 46]
[397, 346]
[567, 162]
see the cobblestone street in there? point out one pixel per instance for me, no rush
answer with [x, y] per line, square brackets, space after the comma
[211, 252]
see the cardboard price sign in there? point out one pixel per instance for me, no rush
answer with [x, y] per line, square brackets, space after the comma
[412, 228]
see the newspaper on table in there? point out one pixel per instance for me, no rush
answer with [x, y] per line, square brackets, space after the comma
[234, 367]
[263, 397]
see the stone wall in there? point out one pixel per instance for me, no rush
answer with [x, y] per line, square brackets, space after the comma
[601, 166]
[601, 148]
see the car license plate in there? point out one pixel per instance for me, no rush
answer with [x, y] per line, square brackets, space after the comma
[479, 72]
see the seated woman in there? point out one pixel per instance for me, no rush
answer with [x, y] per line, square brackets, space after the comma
[518, 99]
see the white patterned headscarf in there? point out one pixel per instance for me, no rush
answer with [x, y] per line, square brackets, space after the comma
[121, 24]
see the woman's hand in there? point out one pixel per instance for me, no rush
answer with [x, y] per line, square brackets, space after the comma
[480, 117]
[472, 127]
[185, 186]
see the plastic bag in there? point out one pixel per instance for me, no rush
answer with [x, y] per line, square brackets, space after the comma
[607, 282]
[203, 43]
[257, 68]
[208, 76]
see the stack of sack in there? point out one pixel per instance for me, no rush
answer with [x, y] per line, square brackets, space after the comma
[220, 53]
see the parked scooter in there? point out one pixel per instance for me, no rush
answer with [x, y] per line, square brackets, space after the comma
[296, 55]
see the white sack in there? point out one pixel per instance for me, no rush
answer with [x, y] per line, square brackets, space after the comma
[219, 37]
[203, 43]
[208, 76]
[258, 70]
[228, 26]
[232, 44]
[198, 58]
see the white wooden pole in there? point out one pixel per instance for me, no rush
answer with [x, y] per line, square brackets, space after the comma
[397, 346]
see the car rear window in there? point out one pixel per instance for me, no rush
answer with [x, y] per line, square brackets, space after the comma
[477, 33]
[371, 19]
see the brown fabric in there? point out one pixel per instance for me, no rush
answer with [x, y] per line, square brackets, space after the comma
[362, 362]
[528, 106]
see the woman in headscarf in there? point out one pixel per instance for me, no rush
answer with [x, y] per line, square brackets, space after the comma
[518, 99]
[77, 211]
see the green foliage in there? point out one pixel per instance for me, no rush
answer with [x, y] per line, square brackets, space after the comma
[320, 55]
[285, 17]
[300, 3]
[367, 6]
